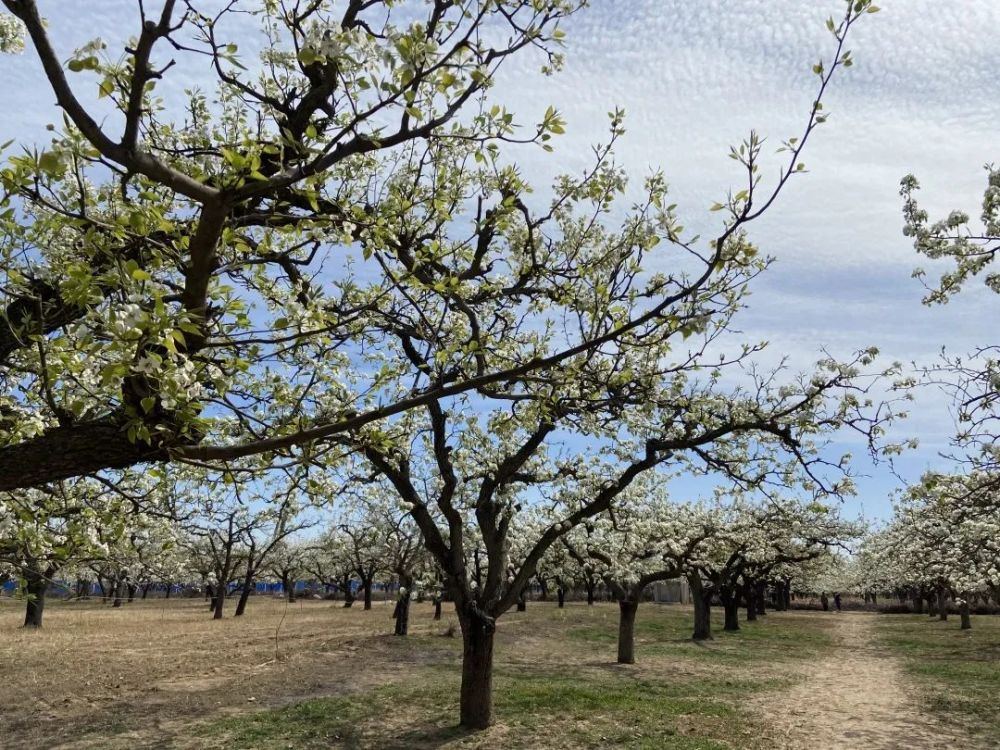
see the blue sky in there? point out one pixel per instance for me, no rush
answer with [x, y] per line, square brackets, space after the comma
[694, 77]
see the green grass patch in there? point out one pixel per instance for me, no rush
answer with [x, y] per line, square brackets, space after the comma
[957, 670]
[582, 700]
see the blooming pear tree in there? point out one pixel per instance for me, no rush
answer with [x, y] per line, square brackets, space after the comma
[968, 250]
[943, 541]
[65, 525]
[176, 272]
[645, 539]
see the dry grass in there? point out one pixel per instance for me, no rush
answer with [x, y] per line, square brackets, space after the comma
[163, 674]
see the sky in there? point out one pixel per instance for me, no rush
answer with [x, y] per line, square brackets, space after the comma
[695, 77]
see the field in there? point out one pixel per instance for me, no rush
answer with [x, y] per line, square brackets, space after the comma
[958, 671]
[312, 674]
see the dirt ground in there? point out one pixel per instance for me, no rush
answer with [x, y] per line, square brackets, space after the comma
[155, 673]
[153, 666]
[856, 696]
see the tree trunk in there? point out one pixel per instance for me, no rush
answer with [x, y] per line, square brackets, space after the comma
[35, 587]
[702, 609]
[731, 605]
[289, 586]
[626, 630]
[345, 585]
[561, 593]
[119, 590]
[367, 586]
[942, 604]
[918, 605]
[476, 710]
[131, 592]
[749, 602]
[241, 605]
[522, 602]
[761, 590]
[437, 608]
[543, 585]
[963, 610]
[402, 614]
[591, 585]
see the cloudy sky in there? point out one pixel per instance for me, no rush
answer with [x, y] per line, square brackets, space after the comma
[695, 77]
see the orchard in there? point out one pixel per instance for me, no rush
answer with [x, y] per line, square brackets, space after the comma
[345, 403]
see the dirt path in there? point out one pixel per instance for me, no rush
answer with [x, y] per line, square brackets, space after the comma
[857, 697]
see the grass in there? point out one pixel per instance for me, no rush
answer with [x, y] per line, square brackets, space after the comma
[558, 692]
[957, 671]
[158, 674]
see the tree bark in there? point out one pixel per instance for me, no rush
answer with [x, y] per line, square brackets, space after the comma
[367, 586]
[591, 585]
[402, 615]
[918, 605]
[437, 608]
[749, 602]
[942, 604]
[963, 610]
[761, 590]
[702, 609]
[241, 605]
[345, 585]
[522, 602]
[289, 586]
[71, 451]
[561, 593]
[626, 630]
[476, 711]
[731, 606]
[35, 586]
[119, 590]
